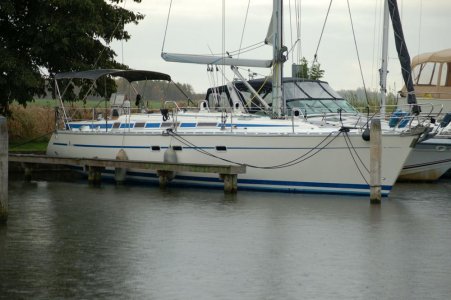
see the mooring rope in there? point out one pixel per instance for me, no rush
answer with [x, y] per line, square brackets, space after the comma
[312, 152]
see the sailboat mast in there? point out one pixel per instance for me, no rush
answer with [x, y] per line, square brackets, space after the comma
[277, 58]
[384, 68]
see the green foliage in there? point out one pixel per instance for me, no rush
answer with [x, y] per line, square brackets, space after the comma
[314, 72]
[52, 36]
[372, 99]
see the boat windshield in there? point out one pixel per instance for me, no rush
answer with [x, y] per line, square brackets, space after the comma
[315, 97]
[312, 97]
[310, 107]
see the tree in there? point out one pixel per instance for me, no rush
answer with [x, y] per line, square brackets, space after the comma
[314, 72]
[39, 37]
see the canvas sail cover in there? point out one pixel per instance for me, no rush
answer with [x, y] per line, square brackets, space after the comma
[215, 60]
[130, 75]
[403, 53]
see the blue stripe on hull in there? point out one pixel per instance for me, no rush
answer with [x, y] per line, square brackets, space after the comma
[438, 162]
[262, 185]
[188, 147]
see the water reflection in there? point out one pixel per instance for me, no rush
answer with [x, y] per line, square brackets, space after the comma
[68, 240]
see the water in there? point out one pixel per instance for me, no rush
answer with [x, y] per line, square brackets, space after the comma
[69, 240]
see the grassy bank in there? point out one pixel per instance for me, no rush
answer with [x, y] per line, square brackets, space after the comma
[29, 128]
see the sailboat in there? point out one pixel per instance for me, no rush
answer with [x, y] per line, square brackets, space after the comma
[428, 161]
[431, 158]
[282, 151]
[432, 85]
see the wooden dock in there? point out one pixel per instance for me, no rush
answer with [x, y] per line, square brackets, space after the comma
[165, 170]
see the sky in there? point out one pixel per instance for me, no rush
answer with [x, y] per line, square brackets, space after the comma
[196, 27]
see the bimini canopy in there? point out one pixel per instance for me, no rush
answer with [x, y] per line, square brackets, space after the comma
[130, 75]
[439, 56]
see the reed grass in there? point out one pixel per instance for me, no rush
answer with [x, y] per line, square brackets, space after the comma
[31, 123]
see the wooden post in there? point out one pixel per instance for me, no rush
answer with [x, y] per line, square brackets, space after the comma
[375, 161]
[3, 170]
[94, 175]
[164, 178]
[27, 171]
[230, 183]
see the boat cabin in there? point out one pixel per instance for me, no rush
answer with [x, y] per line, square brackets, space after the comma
[432, 75]
[307, 97]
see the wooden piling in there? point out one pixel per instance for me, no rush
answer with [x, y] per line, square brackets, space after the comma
[95, 175]
[375, 161]
[27, 171]
[230, 183]
[3, 170]
[164, 177]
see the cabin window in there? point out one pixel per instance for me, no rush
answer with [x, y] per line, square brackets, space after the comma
[292, 91]
[314, 90]
[213, 100]
[155, 148]
[434, 80]
[207, 124]
[177, 148]
[426, 74]
[221, 148]
[116, 125]
[416, 73]
[444, 78]
[139, 125]
[225, 103]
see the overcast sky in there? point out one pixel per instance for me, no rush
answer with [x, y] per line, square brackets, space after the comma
[195, 27]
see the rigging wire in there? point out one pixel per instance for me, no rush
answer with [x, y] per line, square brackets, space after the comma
[112, 34]
[347, 141]
[357, 51]
[376, 40]
[223, 36]
[295, 41]
[244, 26]
[321, 35]
[252, 47]
[291, 31]
[166, 27]
[420, 25]
[298, 25]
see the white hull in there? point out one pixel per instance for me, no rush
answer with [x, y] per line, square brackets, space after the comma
[428, 161]
[316, 173]
[290, 153]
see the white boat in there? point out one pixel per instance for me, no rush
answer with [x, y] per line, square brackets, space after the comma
[282, 150]
[282, 154]
[420, 167]
[428, 161]
[432, 85]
